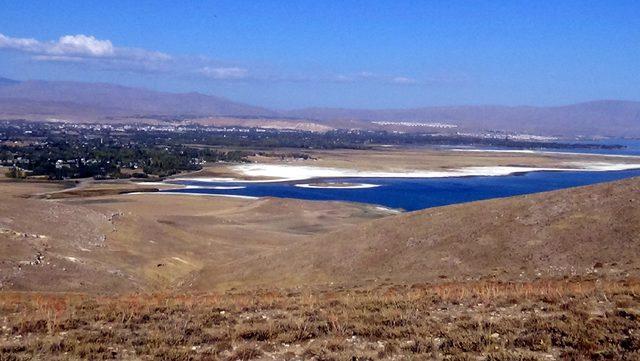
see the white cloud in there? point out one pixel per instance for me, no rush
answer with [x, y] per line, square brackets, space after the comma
[366, 76]
[64, 58]
[224, 73]
[344, 78]
[84, 48]
[403, 80]
[87, 50]
[82, 45]
[24, 44]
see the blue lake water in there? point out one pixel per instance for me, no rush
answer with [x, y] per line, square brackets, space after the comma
[418, 193]
[414, 194]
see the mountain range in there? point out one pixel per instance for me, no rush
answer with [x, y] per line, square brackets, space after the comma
[101, 100]
[95, 102]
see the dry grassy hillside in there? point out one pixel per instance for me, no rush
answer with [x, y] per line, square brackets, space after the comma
[593, 229]
[118, 243]
[492, 321]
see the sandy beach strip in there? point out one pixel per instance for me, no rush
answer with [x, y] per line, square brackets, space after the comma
[531, 151]
[230, 180]
[194, 194]
[389, 210]
[293, 172]
[191, 186]
[351, 186]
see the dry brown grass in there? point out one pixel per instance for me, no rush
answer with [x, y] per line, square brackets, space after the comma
[578, 319]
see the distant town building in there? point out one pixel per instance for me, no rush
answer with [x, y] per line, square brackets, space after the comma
[417, 124]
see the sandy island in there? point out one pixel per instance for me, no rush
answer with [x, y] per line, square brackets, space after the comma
[337, 185]
[407, 163]
[255, 173]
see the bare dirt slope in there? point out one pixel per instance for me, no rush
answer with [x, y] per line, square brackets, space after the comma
[593, 229]
[120, 243]
[40, 243]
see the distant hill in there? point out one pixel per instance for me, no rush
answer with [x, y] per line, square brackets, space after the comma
[561, 233]
[100, 102]
[606, 117]
[5, 81]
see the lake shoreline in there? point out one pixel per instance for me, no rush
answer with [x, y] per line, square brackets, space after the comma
[291, 173]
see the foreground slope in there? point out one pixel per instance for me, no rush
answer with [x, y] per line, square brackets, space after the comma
[108, 242]
[593, 229]
[532, 321]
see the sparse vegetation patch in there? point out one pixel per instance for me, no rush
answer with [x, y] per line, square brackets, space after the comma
[543, 320]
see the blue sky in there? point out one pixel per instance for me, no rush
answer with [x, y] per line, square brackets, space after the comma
[367, 54]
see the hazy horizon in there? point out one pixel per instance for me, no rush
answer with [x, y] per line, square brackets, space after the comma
[337, 108]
